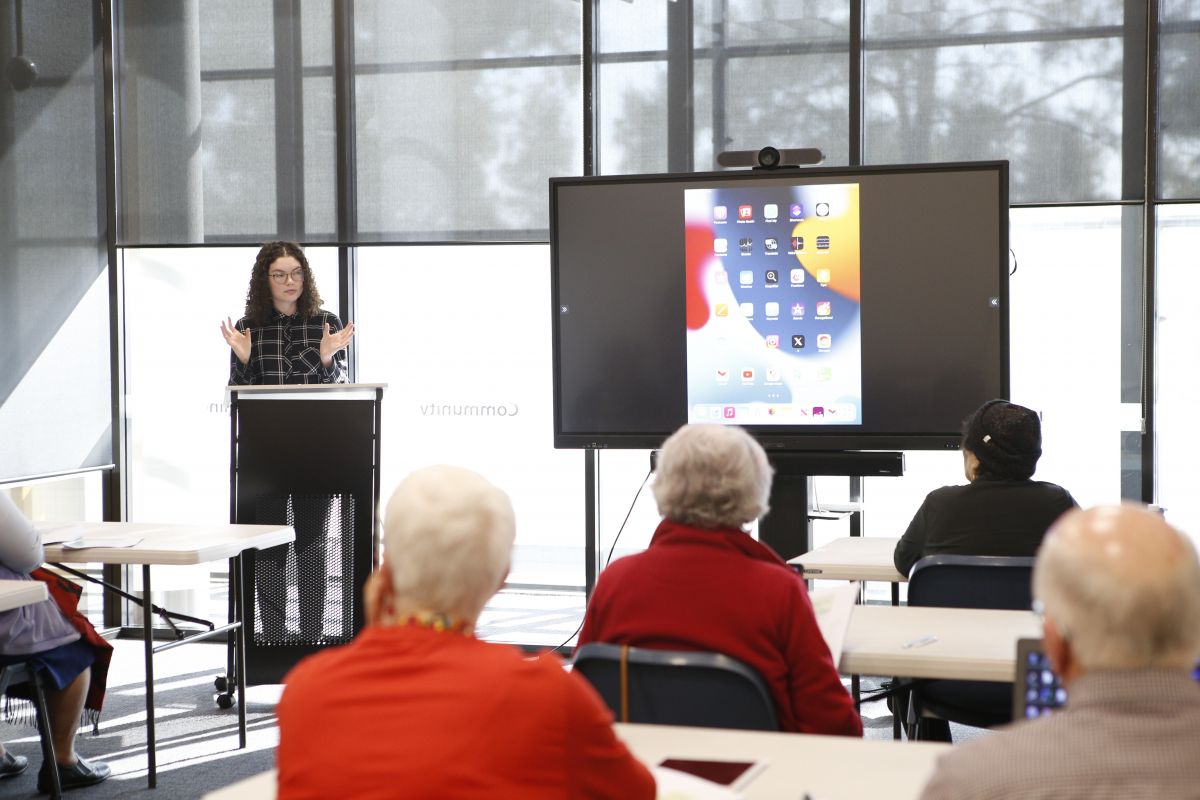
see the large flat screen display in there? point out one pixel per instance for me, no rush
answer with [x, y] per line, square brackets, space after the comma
[822, 309]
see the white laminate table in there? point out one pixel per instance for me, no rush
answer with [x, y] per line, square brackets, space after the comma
[14, 594]
[972, 644]
[822, 766]
[174, 545]
[854, 558]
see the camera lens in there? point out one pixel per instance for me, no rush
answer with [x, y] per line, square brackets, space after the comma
[22, 72]
[768, 157]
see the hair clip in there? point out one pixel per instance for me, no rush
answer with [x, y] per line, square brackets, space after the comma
[987, 437]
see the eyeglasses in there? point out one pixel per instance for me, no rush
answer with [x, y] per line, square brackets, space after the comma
[296, 275]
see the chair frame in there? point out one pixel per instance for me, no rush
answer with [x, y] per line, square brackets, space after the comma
[609, 667]
[1001, 596]
[26, 672]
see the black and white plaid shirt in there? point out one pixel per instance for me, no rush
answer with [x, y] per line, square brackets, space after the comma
[288, 350]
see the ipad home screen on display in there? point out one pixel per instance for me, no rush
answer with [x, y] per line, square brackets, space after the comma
[774, 329]
[839, 308]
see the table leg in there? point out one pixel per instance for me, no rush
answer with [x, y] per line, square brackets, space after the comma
[855, 692]
[895, 593]
[239, 637]
[148, 634]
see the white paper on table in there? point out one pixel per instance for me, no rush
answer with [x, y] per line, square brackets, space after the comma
[676, 785]
[58, 533]
[102, 541]
[833, 608]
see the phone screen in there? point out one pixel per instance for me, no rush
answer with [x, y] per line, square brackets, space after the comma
[725, 773]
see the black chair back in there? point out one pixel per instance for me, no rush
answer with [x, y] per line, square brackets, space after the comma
[1001, 582]
[672, 687]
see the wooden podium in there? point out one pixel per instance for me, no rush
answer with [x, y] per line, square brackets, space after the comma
[305, 456]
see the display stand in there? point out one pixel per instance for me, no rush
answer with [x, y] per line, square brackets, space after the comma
[306, 456]
[787, 527]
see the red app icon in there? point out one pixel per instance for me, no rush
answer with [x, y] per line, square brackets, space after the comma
[745, 212]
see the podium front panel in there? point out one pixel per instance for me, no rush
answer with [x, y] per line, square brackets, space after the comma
[310, 463]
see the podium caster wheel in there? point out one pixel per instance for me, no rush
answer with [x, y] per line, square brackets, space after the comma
[225, 700]
[221, 683]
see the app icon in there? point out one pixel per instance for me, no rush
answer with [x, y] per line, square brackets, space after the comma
[747, 310]
[700, 411]
[822, 242]
[746, 277]
[748, 375]
[771, 411]
[720, 213]
[730, 412]
[798, 276]
[771, 277]
[722, 310]
[797, 242]
[771, 211]
[773, 377]
[771, 245]
[721, 277]
[745, 244]
[745, 212]
[797, 341]
[720, 246]
[822, 276]
[797, 310]
[796, 211]
[824, 341]
[822, 209]
[772, 341]
[771, 309]
[722, 373]
[825, 374]
[823, 308]
[818, 411]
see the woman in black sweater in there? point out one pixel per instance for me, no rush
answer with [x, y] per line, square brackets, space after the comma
[1001, 512]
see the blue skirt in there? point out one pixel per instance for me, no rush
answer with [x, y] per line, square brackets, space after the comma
[60, 665]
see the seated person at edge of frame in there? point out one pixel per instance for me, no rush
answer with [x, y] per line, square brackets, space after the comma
[43, 635]
[1118, 590]
[285, 335]
[704, 584]
[416, 706]
[1001, 512]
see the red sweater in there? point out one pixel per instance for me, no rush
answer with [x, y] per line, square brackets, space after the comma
[724, 592]
[409, 712]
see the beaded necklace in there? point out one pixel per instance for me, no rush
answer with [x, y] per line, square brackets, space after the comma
[438, 621]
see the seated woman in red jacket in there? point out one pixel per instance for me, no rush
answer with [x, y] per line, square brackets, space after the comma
[705, 584]
[416, 706]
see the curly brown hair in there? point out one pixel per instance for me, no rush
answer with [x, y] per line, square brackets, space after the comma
[259, 303]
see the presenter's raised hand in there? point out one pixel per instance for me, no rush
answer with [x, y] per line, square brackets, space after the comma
[238, 340]
[332, 342]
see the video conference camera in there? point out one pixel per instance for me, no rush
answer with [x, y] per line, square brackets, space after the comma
[771, 158]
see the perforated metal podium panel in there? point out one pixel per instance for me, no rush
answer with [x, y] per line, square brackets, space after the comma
[304, 591]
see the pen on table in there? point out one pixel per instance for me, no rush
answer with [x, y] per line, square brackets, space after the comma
[924, 640]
